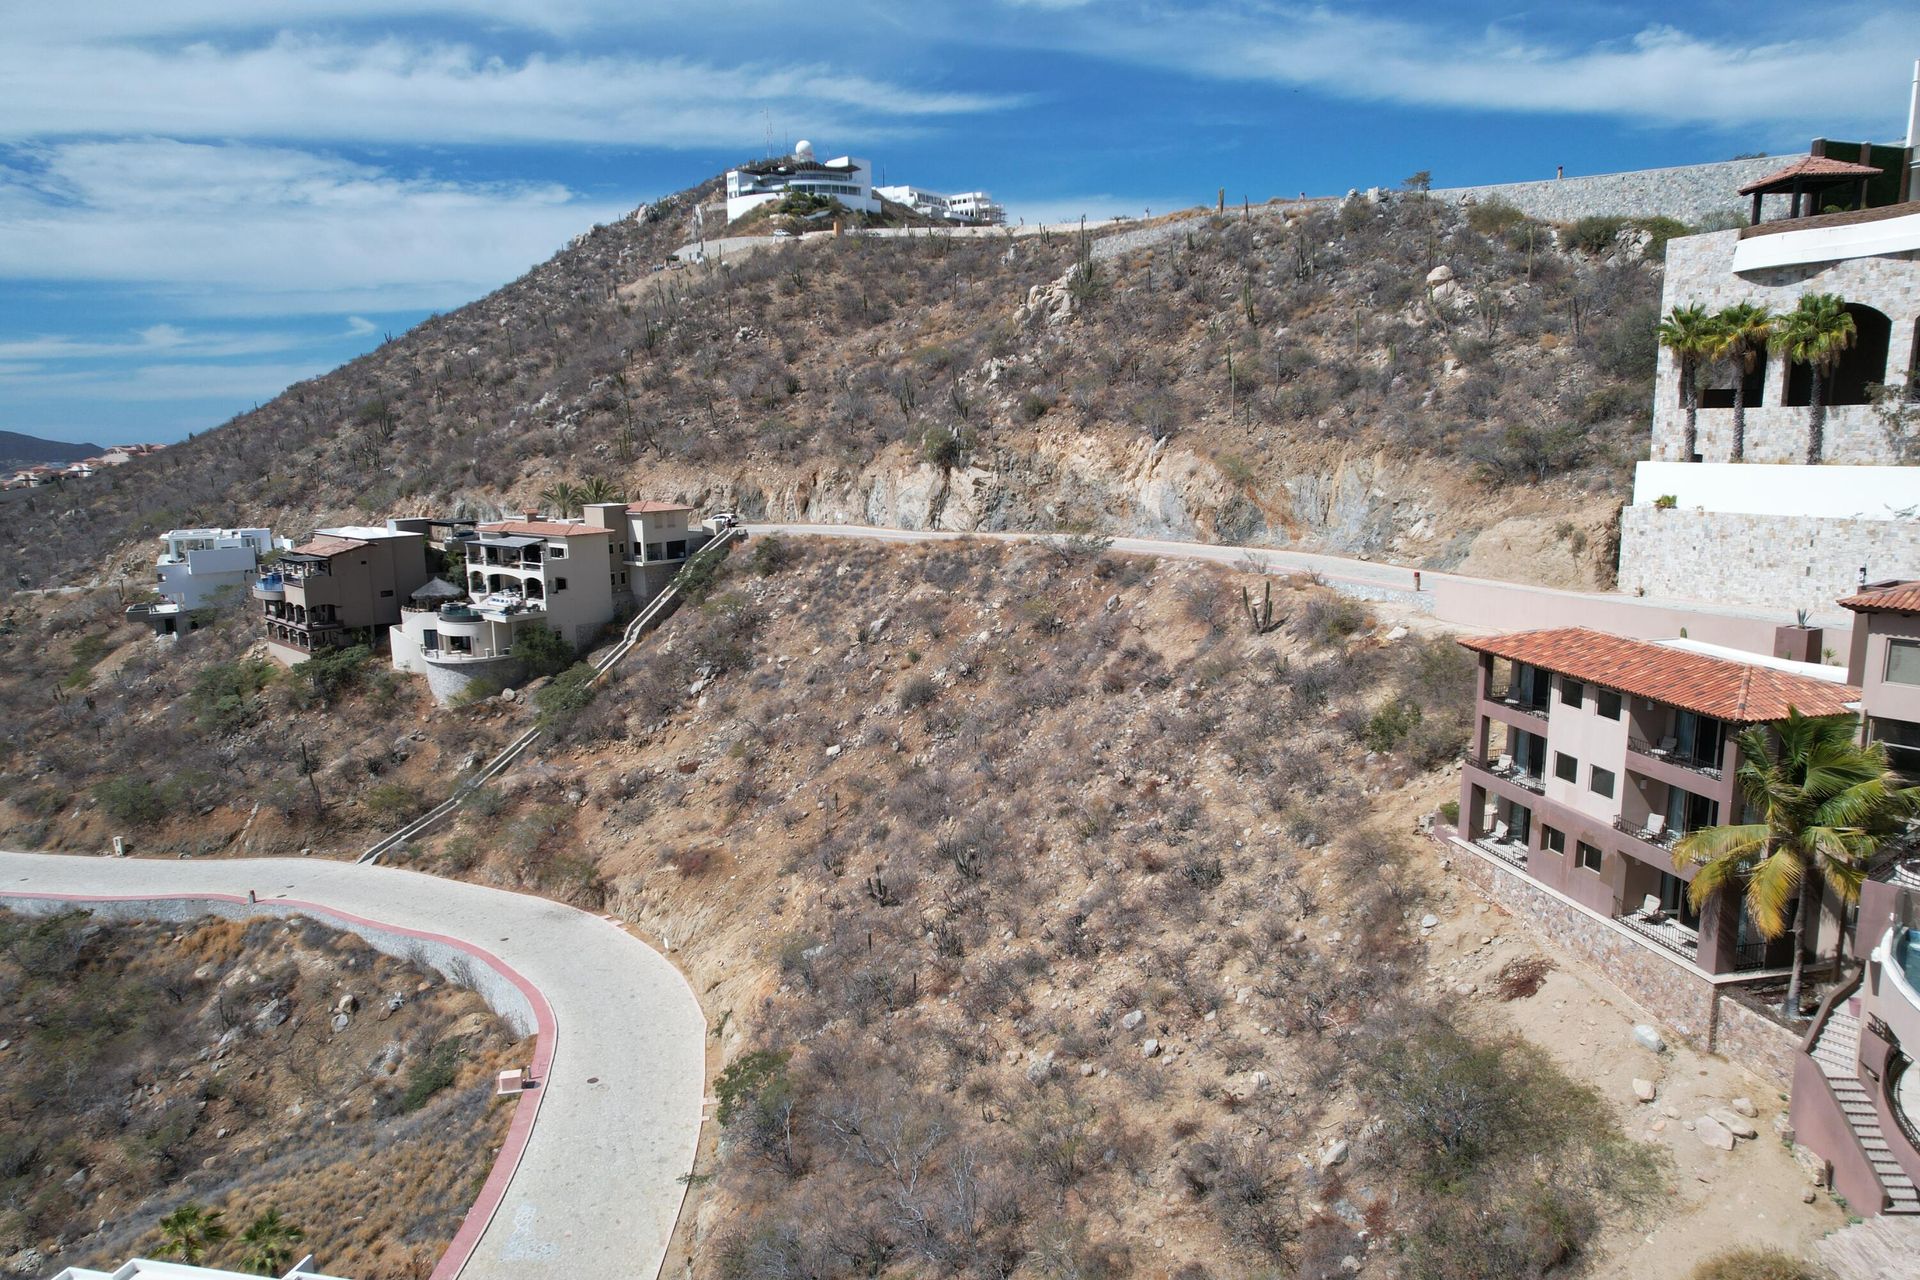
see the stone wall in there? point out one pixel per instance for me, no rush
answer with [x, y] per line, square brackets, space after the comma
[1680, 1000]
[1700, 272]
[1689, 1004]
[1777, 562]
[1690, 193]
[1756, 1042]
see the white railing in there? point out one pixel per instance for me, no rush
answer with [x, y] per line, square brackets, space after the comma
[656, 611]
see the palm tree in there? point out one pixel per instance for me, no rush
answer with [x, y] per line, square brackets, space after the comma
[189, 1231]
[269, 1241]
[1817, 333]
[1690, 333]
[1744, 330]
[562, 495]
[599, 489]
[1821, 804]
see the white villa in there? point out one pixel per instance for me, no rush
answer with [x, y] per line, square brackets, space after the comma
[972, 208]
[196, 564]
[150, 1269]
[845, 178]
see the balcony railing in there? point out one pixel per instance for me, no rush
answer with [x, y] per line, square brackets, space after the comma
[459, 613]
[1510, 772]
[270, 585]
[1667, 932]
[1641, 747]
[1506, 699]
[1664, 839]
[1511, 852]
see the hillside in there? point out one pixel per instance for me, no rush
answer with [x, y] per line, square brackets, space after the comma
[18, 450]
[1387, 379]
[241, 1067]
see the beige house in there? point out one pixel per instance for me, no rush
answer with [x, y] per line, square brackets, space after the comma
[653, 539]
[342, 587]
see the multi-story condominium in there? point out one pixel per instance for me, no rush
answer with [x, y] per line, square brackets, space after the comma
[1593, 754]
[344, 586]
[845, 178]
[655, 540]
[195, 565]
[1706, 523]
[567, 576]
[970, 207]
[1885, 662]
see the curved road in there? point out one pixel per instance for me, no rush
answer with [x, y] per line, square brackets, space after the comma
[616, 1119]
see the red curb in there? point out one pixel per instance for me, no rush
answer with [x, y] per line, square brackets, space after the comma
[526, 1111]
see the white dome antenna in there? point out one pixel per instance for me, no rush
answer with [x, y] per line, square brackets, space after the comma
[803, 150]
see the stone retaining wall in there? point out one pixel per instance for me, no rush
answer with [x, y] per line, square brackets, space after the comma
[1690, 193]
[1690, 1005]
[1777, 562]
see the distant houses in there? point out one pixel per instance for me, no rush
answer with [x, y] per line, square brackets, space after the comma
[847, 180]
[86, 468]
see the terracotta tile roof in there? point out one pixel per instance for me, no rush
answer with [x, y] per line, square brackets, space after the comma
[1733, 691]
[328, 546]
[1897, 597]
[542, 528]
[644, 508]
[1817, 167]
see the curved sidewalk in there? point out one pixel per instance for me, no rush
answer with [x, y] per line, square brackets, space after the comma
[616, 1120]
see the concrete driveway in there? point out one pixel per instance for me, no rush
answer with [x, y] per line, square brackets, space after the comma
[616, 1119]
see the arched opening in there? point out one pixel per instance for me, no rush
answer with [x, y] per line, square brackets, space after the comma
[1716, 385]
[1861, 365]
[534, 590]
[300, 613]
[476, 583]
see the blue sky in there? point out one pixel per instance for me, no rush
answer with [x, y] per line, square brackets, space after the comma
[202, 201]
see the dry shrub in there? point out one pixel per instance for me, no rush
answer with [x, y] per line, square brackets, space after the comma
[1754, 1264]
[1522, 977]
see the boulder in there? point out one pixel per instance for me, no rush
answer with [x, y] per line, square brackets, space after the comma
[1738, 1126]
[1133, 1020]
[1743, 1107]
[348, 1004]
[1644, 1090]
[1150, 1049]
[1440, 274]
[1429, 921]
[1713, 1134]
[1335, 1153]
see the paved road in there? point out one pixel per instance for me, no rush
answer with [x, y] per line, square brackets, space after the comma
[1362, 573]
[594, 1196]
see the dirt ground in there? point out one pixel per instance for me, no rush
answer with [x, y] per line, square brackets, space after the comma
[1751, 1196]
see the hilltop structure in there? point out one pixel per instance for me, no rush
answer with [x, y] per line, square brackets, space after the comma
[844, 178]
[968, 208]
[1771, 503]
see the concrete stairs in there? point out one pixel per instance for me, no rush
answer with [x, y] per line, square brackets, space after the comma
[1883, 1248]
[1837, 1052]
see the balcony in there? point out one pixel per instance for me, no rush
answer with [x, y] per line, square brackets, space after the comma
[1660, 838]
[1511, 852]
[270, 586]
[1504, 768]
[1667, 755]
[1666, 932]
[1522, 705]
[459, 613]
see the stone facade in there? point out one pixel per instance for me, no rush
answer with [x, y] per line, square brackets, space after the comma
[1786, 562]
[1688, 1003]
[1690, 193]
[1700, 272]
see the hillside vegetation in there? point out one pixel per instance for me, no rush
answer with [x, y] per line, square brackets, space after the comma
[1057, 919]
[1293, 375]
[241, 1068]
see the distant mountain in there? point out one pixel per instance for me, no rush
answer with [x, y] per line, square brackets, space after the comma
[18, 450]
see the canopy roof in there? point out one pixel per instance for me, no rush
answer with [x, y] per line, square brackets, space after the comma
[1810, 172]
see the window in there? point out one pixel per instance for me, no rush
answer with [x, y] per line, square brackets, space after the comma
[1608, 703]
[560, 584]
[386, 594]
[1903, 662]
[558, 551]
[1587, 857]
[1565, 767]
[1602, 782]
[1552, 838]
[1571, 692]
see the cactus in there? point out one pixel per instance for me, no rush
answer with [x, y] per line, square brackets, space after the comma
[1261, 619]
[878, 891]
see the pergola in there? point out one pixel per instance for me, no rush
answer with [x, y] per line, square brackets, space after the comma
[1809, 176]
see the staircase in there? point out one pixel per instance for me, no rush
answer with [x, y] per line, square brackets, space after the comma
[1837, 1051]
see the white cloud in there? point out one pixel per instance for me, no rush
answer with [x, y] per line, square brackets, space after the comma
[140, 383]
[397, 90]
[241, 230]
[166, 340]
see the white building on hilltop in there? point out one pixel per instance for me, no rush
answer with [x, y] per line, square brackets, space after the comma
[845, 178]
[973, 208]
